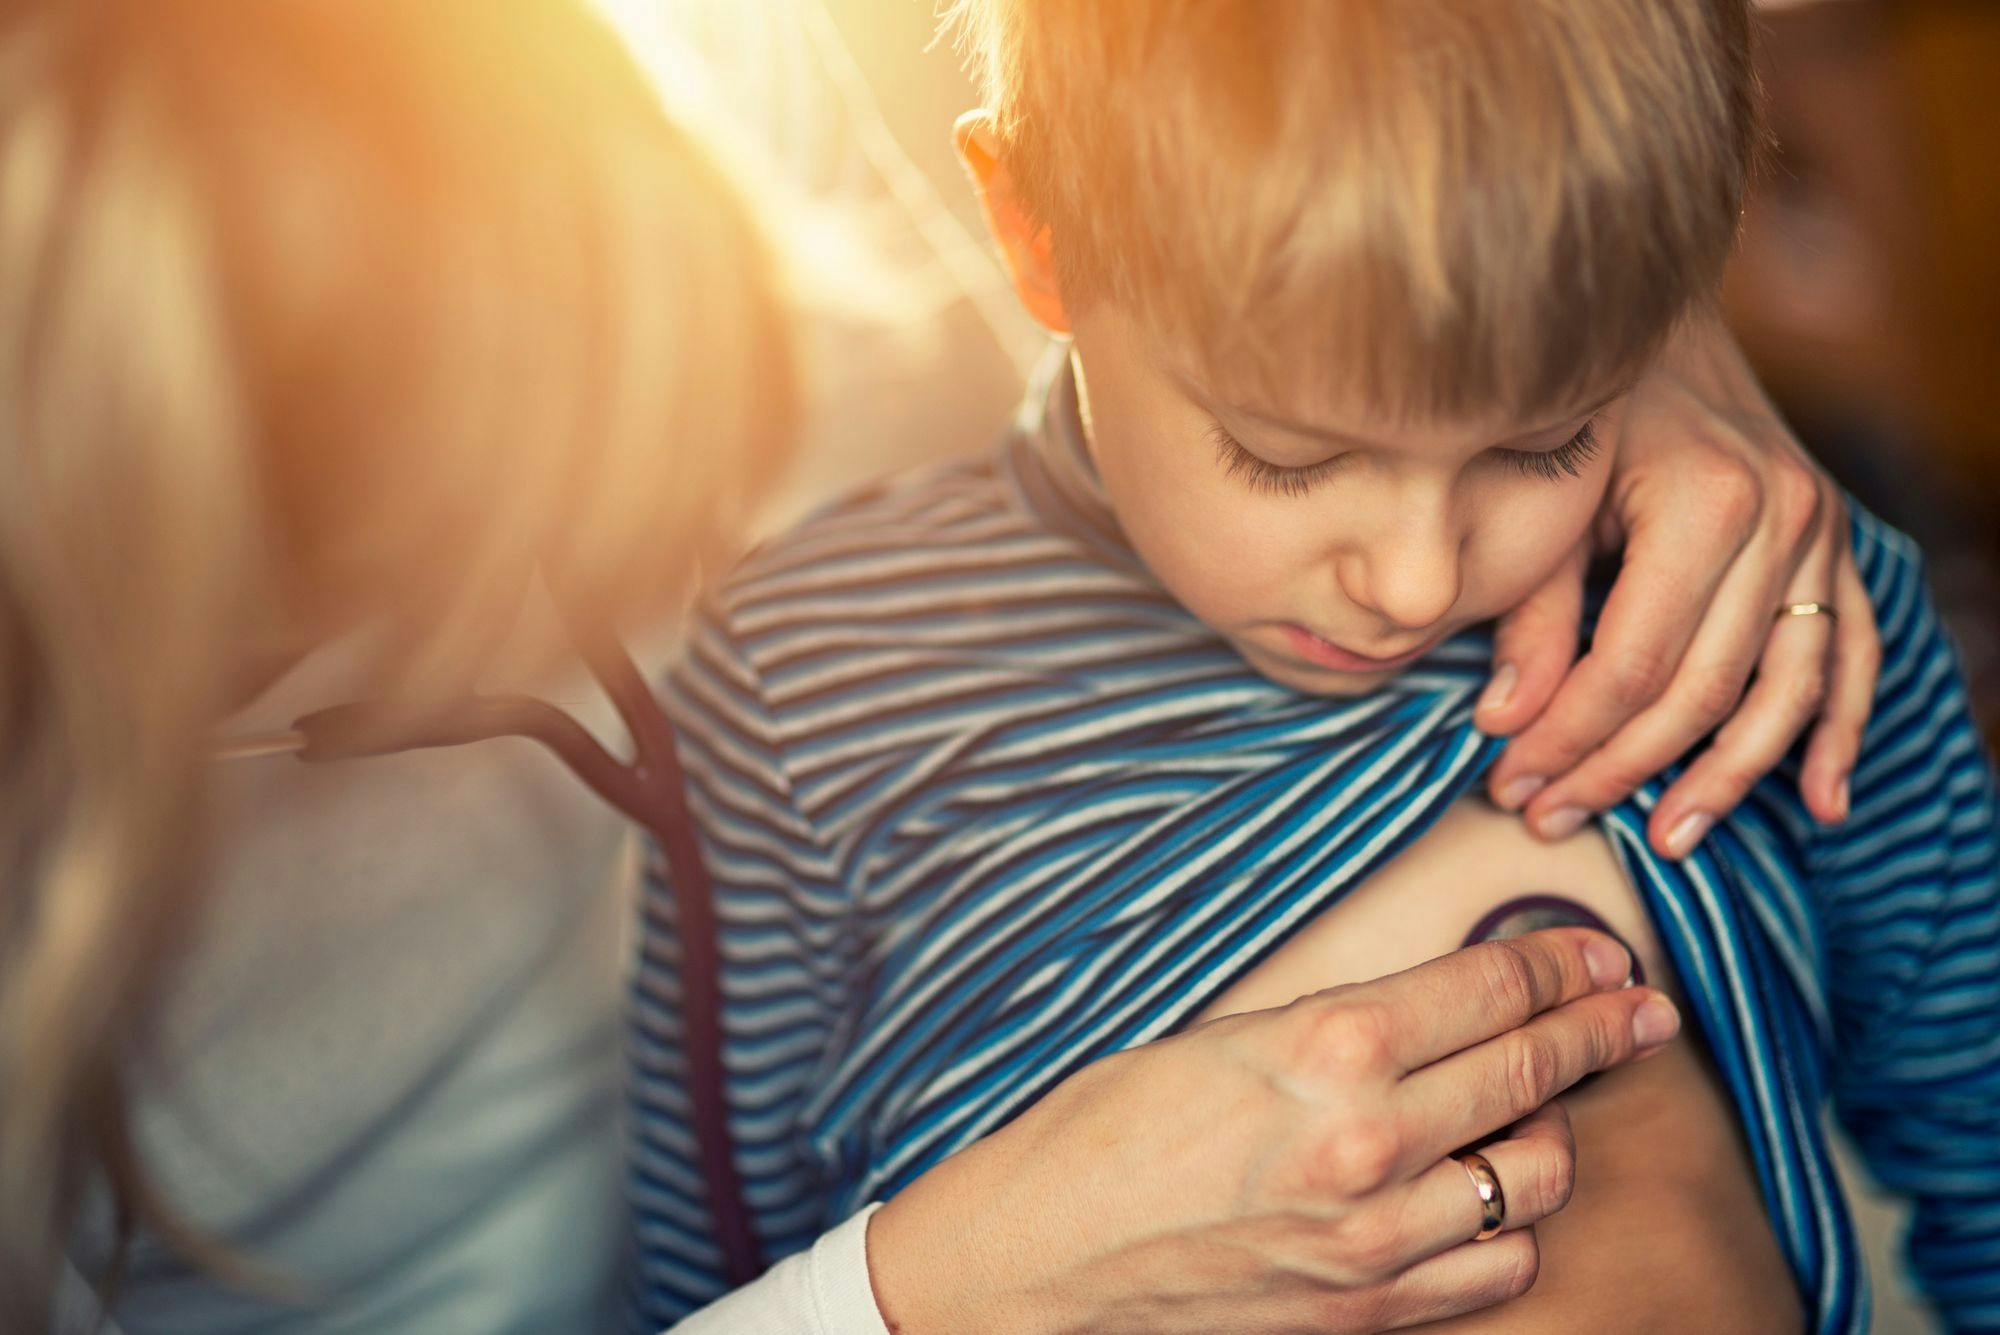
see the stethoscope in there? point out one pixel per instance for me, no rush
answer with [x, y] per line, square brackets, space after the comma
[651, 791]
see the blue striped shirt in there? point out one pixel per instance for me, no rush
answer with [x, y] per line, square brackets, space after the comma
[982, 803]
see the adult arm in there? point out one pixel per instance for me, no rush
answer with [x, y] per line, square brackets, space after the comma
[1291, 1163]
[1722, 520]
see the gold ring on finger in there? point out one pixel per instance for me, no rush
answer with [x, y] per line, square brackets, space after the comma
[1492, 1200]
[1808, 610]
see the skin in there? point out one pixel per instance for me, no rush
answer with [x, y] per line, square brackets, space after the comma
[1286, 1168]
[1670, 1188]
[1720, 519]
[1280, 1170]
[1378, 538]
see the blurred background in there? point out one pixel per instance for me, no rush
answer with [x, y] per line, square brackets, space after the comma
[1867, 290]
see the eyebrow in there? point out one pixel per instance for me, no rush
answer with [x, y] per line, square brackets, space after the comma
[1279, 422]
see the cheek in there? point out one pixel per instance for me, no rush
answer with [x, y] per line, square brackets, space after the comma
[1210, 542]
[1522, 534]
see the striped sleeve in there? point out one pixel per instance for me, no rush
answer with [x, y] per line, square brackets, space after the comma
[1912, 884]
[783, 983]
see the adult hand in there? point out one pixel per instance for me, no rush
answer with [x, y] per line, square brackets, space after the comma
[1280, 1170]
[1723, 521]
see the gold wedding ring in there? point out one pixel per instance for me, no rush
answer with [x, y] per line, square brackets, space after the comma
[1808, 610]
[1492, 1200]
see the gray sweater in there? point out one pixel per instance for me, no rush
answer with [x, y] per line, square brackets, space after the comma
[390, 1072]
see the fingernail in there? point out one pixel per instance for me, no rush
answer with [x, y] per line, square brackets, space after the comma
[1840, 799]
[1687, 832]
[1514, 794]
[1655, 1022]
[1561, 823]
[1609, 965]
[1498, 691]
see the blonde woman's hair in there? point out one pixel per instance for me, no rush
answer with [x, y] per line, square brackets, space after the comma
[316, 316]
[1445, 206]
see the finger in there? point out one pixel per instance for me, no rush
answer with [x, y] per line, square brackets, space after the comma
[1535, 1163]
[1706, 689]
[1792, 561]
[1469, 1278]
[1421, 1015]
[1707, 692]
[1533, 647]
[1656, 606]
[1474, 1093]
[1412, 1221]
[1782, 703]
[1850, 697]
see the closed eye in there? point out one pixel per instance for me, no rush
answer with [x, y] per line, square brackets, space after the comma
[1263, 475]
[1566, 460]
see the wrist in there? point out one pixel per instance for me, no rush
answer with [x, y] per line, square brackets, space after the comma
[938, 1262]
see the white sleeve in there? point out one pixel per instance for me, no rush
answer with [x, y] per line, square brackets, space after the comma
[824, 1291]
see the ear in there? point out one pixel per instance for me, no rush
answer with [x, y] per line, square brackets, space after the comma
[1023, 241]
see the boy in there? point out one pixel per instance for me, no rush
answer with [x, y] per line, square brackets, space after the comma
[1166, 711]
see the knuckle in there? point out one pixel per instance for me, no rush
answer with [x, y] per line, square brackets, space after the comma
[1351, 1040]
[1615, 780]
[1805, 692]
[1555, 1178]
[1615, 786]
[1715, 695]
[1611, 1037]
[1509, 977]
[1365, 1252]
[1357, 1159]
[1534, 1068]
[1637, 676]
[1732, 494]
[1727, 784]
[1797, 505]
[1520, 1264]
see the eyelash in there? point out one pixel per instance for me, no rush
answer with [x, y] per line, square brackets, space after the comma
[1263, 475]
[1566, 460]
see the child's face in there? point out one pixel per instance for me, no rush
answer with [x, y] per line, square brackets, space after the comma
[1329, 546]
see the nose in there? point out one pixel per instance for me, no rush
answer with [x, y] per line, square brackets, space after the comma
[1406, 572]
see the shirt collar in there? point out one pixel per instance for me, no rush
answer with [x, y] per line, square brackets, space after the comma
[1049, 457]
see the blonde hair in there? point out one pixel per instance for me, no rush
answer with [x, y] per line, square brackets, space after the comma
[315, 316]
[1445, 206]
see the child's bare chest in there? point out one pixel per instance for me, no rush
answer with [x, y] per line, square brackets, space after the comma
[1667, 1229]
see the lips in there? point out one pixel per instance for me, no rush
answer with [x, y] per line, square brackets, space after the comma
[1327, 654]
